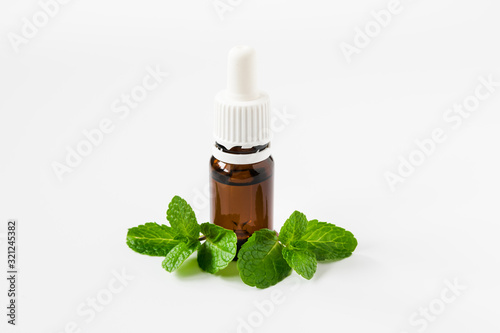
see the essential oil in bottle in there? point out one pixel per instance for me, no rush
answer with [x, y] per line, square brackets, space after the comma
[241, 168]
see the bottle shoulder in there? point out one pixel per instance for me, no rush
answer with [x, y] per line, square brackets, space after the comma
[243, 174]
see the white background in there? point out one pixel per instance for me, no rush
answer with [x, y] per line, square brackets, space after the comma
[351, 124]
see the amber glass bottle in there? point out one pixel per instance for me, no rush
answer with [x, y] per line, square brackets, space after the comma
[242, 194]
[241, 168]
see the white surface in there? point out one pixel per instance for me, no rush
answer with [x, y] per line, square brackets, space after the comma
[351, 122]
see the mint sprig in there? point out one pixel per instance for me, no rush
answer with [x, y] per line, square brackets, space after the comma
[294, 228]
[264, 260]
[183, 220]
[260, 260]
[218, 250]
[182, 238]
[179, 254]
[152, 239]
[329, 242]
[302, 261]
[301, 244]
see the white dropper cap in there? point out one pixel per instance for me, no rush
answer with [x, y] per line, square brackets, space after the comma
[242, 111]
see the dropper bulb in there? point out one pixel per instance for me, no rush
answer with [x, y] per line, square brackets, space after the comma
[241, 74]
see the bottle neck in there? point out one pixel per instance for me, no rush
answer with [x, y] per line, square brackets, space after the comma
[239, 155]
[240, 150]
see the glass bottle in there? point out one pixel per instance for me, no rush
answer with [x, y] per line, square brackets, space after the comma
[241, 168]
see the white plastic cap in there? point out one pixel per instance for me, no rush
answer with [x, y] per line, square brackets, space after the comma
[242, 111]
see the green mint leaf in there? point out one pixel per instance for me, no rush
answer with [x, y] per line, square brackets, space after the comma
[327, 241]
[179, 254]
[151, 239]
[260, 260]
[302, 261]
[294, 228]
[299, 244]
[219, 248]
[182, 219]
